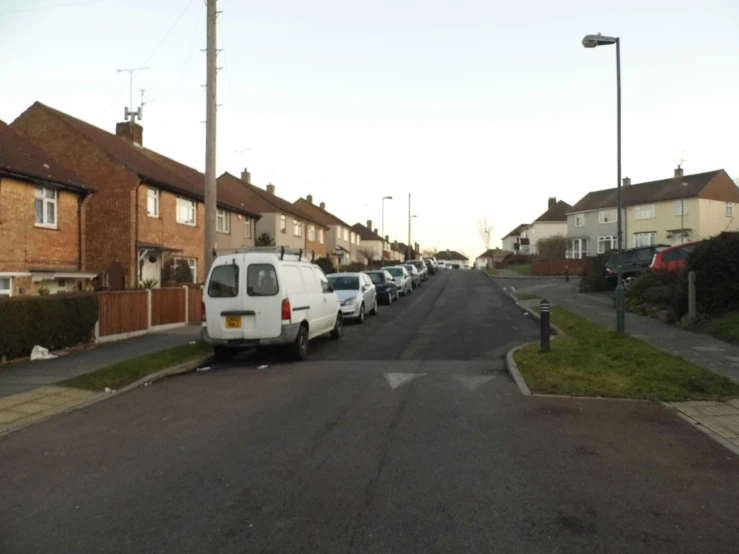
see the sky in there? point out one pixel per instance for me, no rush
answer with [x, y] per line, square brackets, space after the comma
[476, 108]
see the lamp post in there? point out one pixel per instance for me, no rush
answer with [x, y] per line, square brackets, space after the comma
[410, 244]
[592, 41]
[682, 211]
[383, 224]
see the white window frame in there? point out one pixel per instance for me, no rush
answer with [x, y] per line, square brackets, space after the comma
[192, 207]
[283, 224]
[193, 263]
[346, 234]
[320, 236]
[223, 221]
[582, 249]
[729, 209]
[608, 240]
[351, 237]
[9, 290]
[607, 216]
[247, 228]
[311, 233]
[644, 211]
[579, 222]
[681, 208]
[639, 242]
[152, 202]
[297, 228]
[49, 198]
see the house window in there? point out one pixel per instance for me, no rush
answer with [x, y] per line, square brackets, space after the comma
[6, 286]
[645, 211]
[45, 207]
[645, 239]
[186, 211]
[320, 236]
[223, 222]
[579, 222]
[192, 263]
[346, 234]
[351, 238]
[607, 243]
[283, 224]
[680, 207]
[311, 232]
[297, 228]
[606, 216]
[247, 228]
[579, 249]
[729, 209]
[152, 202]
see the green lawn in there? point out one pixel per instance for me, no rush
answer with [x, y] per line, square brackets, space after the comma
[524, 269]
[593, 361]
[124, 373]
[524, 295]
[491, 271]
[726, 327]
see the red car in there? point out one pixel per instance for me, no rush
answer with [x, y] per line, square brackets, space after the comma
[673, 258]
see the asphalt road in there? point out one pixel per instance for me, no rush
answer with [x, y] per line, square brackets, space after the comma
[404, 437]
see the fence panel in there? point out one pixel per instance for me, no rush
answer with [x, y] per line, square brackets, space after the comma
[123, 312]
[167, 306]
[195, 298]
[557, 267]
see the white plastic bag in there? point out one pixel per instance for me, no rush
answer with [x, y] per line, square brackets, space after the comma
[41, 353]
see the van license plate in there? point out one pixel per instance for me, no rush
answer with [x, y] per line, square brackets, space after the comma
[233, 322]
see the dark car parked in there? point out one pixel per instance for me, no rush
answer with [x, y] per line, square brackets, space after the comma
[387, 289]
[634, 262]
[430, 266]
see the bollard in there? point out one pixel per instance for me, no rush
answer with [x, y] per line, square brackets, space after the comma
[567, 274]
[544, 320]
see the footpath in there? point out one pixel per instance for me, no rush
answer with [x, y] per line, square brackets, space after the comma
[27, 388]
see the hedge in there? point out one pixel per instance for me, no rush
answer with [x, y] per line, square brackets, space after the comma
[55, 321]
[716, 265]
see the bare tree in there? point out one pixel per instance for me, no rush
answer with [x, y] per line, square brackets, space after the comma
[368, 254]
[485, 230]
[429, 252]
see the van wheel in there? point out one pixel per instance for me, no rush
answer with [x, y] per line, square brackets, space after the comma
[338, 330]
[222, 353]
[299, 350]
[360, 317]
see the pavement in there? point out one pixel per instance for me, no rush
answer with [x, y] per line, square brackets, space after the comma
[407, 436]
[27, 375]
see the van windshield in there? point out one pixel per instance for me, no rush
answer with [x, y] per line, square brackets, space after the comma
[345, 283]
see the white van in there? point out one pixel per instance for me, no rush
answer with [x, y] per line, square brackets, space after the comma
[267, 296]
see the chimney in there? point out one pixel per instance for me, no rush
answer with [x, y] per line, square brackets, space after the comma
[309, 198]
[678, 172]
[246, 176]
[131, 132]
[271, 188]
[375, 230]
[627, 181]
[552, 202]
[369, 224]
[387, 238]
[323, 205]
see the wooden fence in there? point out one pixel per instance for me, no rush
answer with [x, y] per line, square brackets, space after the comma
[168, 306]
[123, 312]
[557, 267]
[195, 308]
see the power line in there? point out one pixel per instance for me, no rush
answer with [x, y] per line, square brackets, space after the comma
[51, 7]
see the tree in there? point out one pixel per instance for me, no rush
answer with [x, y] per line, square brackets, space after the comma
[265, 239]
[326, 265]
[485, 230]
[368, 254]
[429, 252]
[553, 248]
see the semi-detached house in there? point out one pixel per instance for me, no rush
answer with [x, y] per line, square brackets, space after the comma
[147, 214]
[342, 243]
[679, 209]
[42, 214]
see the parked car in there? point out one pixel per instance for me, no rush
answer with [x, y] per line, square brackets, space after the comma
[357, 294]
[673, 258]
[403, 279]
[266, 298]
[385, 285]
[430, 266]
[444, 265]
[415, 275]
[421, 267]
[635, 261]
[434, 261]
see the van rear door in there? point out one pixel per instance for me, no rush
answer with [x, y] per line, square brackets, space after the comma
[225, 295]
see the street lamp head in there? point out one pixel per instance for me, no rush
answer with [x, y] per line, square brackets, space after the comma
[387, 198]
[591, 41]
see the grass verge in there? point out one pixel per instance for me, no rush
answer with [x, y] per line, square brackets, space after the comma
[491, 271]
[124, 373]
[524, 269]
[523, 295]
[593, 361]
[726, 327]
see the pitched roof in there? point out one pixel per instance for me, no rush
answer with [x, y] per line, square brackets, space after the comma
[517, 230]
[19, 156]
[399, 247]
[646, 193]
[492, 252]
[558, 212]
[262, 201]
[152, 167]
[450, 255]
[318, 214]
[365, 233]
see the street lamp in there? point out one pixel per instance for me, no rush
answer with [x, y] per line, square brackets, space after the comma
[383, 223]
[410, 244]
[591, 41]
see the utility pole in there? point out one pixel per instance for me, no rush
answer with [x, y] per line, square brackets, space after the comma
[408, 249]
[210, 135]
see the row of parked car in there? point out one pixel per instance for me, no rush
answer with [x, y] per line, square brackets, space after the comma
[635, 261]
[271, 297]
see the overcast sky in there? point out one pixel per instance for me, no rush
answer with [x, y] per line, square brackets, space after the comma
[475, 107]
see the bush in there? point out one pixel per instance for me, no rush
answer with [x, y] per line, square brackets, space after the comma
[593, 277]
[326, 265]
[659, 289]
[53, 322]
[658, 296]
[648, 280]
[716, 265]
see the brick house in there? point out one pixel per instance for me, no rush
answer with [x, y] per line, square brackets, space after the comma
[342, 242]
[148, 211]
[42, 212]
[371, 245]
[284, 222]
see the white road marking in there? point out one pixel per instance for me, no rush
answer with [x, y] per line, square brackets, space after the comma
[397, 379]
[472, 382]
[709, 348]
[734, 359]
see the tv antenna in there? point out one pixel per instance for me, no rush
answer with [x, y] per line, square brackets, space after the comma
[128, 112]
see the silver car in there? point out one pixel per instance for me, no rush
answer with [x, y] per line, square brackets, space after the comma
[421, 267]
[357, 295]
[402, 279]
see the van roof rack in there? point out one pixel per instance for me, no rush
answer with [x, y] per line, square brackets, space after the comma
[281, 250]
